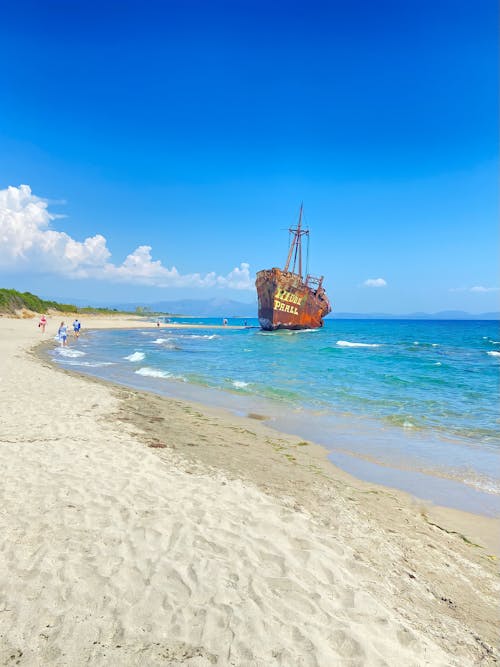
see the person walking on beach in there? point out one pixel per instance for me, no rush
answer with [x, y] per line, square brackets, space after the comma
[63, 334]
[43, 323]
[76, 328]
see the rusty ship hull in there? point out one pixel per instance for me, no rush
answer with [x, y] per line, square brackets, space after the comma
[286, 301]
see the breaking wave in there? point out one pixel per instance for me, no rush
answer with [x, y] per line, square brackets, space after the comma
[153, 372]
[156, 373]
[239, 384]
[346, 343]
[135, 356]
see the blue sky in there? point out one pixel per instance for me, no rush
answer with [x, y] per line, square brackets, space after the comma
[195, 129]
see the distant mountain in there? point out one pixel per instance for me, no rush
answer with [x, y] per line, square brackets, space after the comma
[200, 308]
[220, 307]
[229, 308]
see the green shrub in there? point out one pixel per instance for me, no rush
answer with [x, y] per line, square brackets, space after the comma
[12, 300]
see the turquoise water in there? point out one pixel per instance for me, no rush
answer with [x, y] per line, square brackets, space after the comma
[401, 398]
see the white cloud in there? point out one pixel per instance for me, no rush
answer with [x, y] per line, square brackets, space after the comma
[28, 243]
[480, 288]
[375, 282]
[238, 278]
[476, 288]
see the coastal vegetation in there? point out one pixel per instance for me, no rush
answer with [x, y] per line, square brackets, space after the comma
[12, 301]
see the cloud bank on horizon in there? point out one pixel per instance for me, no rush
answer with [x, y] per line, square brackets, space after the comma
[28, 243]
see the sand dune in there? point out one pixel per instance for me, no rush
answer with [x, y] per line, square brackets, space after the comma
[114, 552]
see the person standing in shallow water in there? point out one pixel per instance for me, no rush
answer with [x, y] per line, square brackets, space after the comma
[76, 328]
[63, 334]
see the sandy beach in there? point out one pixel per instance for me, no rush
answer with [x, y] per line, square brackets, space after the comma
[140, 530]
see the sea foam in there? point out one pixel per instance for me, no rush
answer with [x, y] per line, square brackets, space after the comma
[206, 336]
[346, 343]
[292, 332]
[156, 373]
[68, 352]
[166, 343]
[152, 372]
[88, 364]
[135, 356]
[493, 353]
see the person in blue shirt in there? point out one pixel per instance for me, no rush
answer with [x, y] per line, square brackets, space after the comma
[76, 328]
[63, 334]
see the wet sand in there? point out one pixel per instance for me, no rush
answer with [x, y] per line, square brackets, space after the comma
[143, 530]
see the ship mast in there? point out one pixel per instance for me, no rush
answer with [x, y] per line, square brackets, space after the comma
[296, 246]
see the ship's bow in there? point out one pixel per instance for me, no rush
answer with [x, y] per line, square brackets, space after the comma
[266, 285]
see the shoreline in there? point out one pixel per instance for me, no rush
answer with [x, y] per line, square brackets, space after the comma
[474, 526]
[358, 445]
[146, 406]
[126, 448]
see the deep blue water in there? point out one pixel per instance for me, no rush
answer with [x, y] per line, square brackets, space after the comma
[414, 396]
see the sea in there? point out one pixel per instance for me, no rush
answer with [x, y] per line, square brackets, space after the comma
[411, 404]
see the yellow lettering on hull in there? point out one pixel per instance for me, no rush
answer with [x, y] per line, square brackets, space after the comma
[283, 295]
[285, 307]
